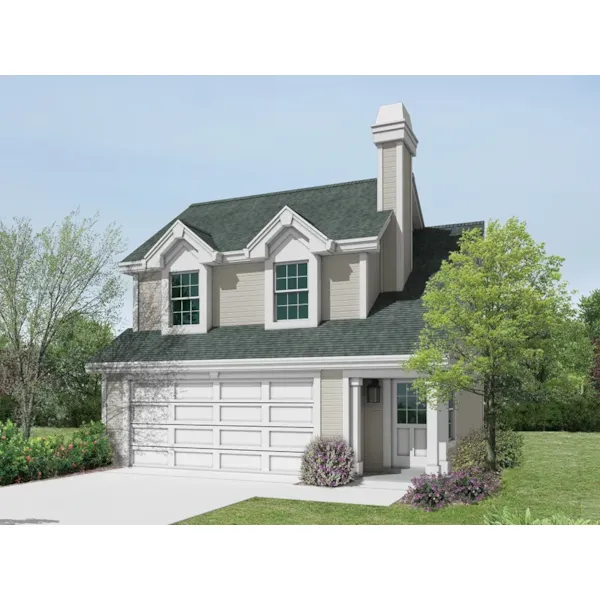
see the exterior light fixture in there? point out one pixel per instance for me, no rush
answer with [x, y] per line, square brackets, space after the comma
[373, 392]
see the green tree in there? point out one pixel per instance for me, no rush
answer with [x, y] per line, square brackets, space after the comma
[46, 278]
[495, 314]
[589, 312]
[75, 394]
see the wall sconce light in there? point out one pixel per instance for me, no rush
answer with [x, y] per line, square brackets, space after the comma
[373, 392]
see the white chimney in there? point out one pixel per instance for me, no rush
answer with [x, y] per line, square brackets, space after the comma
[396, 146]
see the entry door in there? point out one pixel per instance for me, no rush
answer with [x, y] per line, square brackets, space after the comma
[409, 429]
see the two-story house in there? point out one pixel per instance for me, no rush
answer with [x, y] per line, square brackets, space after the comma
[259, 322]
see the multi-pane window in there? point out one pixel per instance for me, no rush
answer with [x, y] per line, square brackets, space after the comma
[411, 410]
[451, 425]
[291, 291]
[185, 299]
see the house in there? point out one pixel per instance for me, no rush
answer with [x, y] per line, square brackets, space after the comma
[262, 321]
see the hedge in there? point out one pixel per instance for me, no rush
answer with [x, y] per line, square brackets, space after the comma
[41, 458]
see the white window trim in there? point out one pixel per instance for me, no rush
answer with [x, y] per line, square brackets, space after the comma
[277, 293]
[314, 283]
[205, 290]
[172, 298]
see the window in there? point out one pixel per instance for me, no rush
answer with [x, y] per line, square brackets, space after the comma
[291, 291]
[451, 432]
[411, 410]
[185, 299]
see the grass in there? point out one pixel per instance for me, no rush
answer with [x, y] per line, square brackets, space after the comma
[560, 474]
[48, 431]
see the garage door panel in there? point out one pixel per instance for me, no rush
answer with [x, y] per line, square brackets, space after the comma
[292, 440]
[153, 393]
[241, 414]
[150, 458]
[197, 414]
[194, 460]
[194, 437]
[233, 461]
[240, 438]
[150, 436]
[150, 413]
[241, 391]
[194, 392]
[297, 415]
[284, 464]
[284, 390]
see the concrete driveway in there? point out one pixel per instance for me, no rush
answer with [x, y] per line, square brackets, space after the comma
[150, 497]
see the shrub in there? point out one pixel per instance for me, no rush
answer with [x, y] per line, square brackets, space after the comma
[506, 517]
[471, 451]
[432, 492]
[68, 410]
[40, 458]
[565, 412]
[429, 492]
[327, 462]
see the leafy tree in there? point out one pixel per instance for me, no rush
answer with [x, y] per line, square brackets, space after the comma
[495, 317]
[589, 311]
[75, 394]
[46, 279]
[559, 395]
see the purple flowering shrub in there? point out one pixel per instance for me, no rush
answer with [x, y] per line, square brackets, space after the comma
[327, 462]
[432, 492]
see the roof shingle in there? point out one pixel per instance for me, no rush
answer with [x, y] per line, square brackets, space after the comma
[392, 327]
[340, 211]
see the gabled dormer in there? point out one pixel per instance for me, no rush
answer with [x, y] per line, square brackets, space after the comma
[285, 260]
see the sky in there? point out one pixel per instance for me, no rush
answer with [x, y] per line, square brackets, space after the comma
[140, 149]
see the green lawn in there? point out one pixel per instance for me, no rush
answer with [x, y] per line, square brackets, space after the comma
[47, 431]
[560, 474]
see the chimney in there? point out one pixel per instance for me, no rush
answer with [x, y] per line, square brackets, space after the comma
[396, 146]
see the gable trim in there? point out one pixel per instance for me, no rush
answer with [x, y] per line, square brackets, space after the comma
[286, 218]
[154, 258]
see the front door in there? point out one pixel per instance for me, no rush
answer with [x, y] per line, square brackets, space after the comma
[409, 427]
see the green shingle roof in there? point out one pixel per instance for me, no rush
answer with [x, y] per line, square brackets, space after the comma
[340, 211]
[392, 326]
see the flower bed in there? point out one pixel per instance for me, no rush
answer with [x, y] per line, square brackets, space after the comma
[41, 458]
[432, 492]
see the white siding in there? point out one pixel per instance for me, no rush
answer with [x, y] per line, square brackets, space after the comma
[238, 295]
[373, 278]
[388, 257]
[405, 249]
[331, 403]
[389, 176]
[340, 287]
[149, 301]
[469, 413]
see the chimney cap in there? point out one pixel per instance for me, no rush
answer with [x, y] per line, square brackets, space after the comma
[393, 124]
[393, 113]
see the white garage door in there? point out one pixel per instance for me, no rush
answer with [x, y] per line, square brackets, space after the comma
[240, 426]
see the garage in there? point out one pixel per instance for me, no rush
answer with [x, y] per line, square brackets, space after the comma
[252, 426]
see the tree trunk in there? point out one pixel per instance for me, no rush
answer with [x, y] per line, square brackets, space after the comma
[490, 428]
[26, 405]
[26, 428]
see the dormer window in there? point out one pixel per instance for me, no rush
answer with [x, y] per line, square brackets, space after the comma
[291, 291]
[185, 299]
